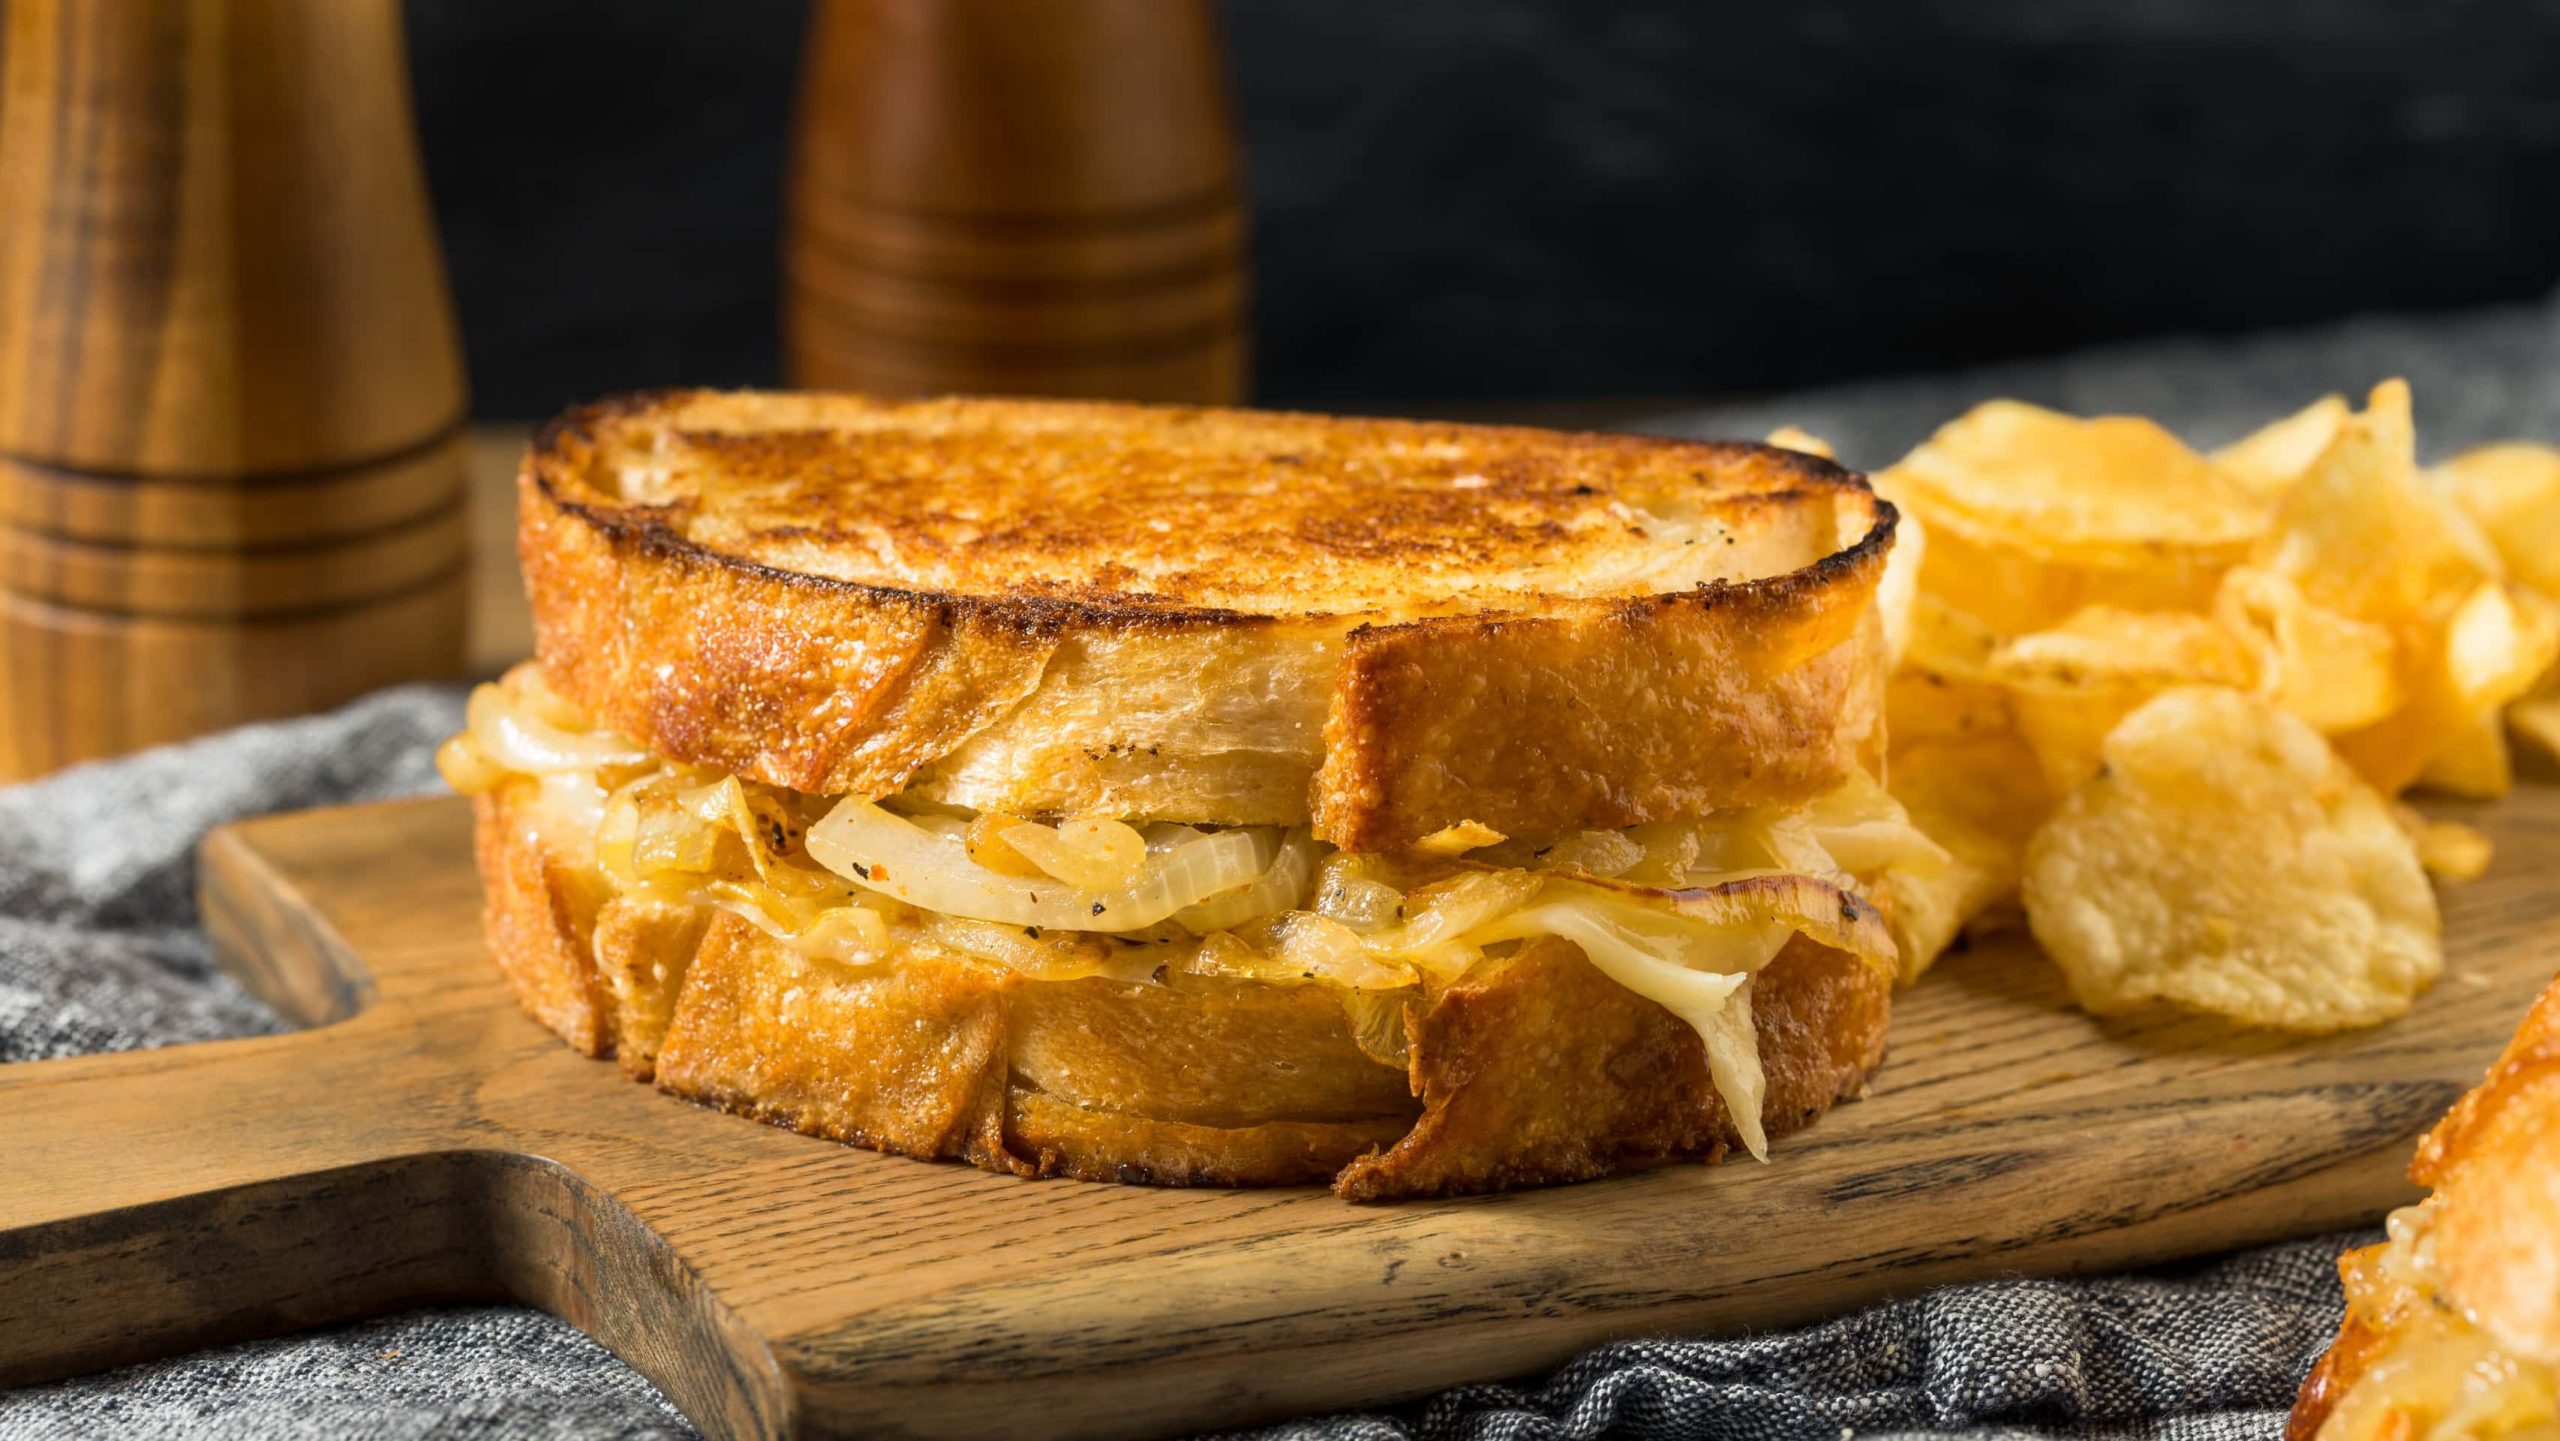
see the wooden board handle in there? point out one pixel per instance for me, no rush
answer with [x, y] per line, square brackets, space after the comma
[169, 1199]
[206, 1194]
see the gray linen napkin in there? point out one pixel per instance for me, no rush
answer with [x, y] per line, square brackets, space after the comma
[99, 951]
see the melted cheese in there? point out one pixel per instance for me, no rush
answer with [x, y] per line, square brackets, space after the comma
[1681, 914]
[2432, 1375]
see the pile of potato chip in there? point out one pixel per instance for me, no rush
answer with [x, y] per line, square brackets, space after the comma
[2167, 701]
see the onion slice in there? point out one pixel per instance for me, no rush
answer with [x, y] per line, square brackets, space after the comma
[1279, 888]
[1866, 831]
[1095, 855]
[510, 734]
[931, 870]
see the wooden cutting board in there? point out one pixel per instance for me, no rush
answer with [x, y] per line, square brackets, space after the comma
[425, 1142]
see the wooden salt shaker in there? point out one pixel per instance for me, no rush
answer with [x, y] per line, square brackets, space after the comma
[232, 466]
[1017, 197]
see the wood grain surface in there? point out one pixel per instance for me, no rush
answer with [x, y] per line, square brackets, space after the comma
[76, 682]
[216, 254]
[1016, 197]
[423, 1141]
[231, 459]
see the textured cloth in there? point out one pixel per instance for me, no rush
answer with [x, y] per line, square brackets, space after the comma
[99, 951]
[2214, 1350]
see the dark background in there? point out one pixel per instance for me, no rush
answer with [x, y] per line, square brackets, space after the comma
[1496, 198]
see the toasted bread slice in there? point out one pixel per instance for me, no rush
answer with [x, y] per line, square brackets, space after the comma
[1536, 1070]
[2456, 1319]
[1382, 627]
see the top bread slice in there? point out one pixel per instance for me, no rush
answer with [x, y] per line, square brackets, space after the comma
[1382, 628]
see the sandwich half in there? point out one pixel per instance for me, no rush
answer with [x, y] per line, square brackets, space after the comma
[2453, 1322]
[1197, 796]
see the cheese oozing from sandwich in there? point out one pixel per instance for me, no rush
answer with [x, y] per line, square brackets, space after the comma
[1682, 913]
[2432, 1372]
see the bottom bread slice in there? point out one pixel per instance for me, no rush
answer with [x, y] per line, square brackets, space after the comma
[1534, 1069]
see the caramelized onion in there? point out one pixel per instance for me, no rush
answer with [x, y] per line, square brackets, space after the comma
[1280, 887]
[512, 736]
[1091, 855]
[928, 867]
[1695, 908]
[1377, 1025]
[1349, 893]
[1866, 831]
[1446, 910]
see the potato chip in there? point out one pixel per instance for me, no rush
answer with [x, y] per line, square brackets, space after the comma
[2499, 643]
[1924, 706]
[1983, 581]
[1788, 437]
[2070, 685]
[1980, 799]
[2513, 491]
[2435, 738]
[2450, 850]
[2067, 731]
[2392, 753]
[2334, 671]
[2271, 458]
[2225, 861]
[2103, 646]
[2164, 638]
[2364, 537]
[1899, 590]
[2470, 759]
[2116, 492]
[1948, 641]
[2361, 535]
[2018, 591]
[2536, 719]
[1901, 567]
[1938, 692]
[2490, 652]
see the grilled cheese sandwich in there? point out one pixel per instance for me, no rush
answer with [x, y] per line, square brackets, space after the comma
[1305, 761]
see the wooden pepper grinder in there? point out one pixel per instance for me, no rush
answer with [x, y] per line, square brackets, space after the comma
[1016, 196]
[232, 467]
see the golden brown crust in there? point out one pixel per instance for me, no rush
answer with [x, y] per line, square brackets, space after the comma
[2486, 1235]
[1079, 513]
[1540, 1071]
[640, 952]
[1058, 1139]
[540, 920]
[1172, 1051]
[2458, 1138]
[2494, 1222]
[910, 1060]
[755, 672]
[2338, 1369]
[1545, 1070]
[707, 577]
[1675, 706]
